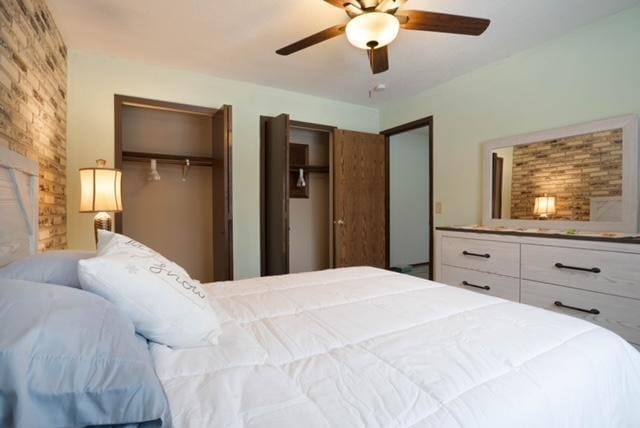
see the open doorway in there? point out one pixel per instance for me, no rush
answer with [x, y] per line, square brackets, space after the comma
[410, 200]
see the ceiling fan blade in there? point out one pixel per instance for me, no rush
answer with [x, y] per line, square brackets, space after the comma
[379, 59]
[337, 3]
[442, 22]
[368, 4]
[314, 39]
[390, 6]
[353, 9]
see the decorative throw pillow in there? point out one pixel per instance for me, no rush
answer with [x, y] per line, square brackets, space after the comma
[164, 303]
[69, 358]
[51, 267]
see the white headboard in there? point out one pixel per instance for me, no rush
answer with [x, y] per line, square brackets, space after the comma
[18, 206]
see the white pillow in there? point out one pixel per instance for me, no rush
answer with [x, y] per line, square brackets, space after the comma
[164, 303]
[115, 243]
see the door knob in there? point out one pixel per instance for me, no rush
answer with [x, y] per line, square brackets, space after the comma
[339, 222]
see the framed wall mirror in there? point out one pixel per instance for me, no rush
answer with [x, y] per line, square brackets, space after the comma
[582, 177]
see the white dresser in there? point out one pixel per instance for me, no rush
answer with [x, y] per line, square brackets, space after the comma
[597, 279]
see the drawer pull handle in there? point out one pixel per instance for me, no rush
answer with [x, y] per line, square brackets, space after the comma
[482, 287]
[593, 270]
[484, 256]
[589, 311]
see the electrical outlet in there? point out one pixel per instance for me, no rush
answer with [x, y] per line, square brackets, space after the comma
[438, 207]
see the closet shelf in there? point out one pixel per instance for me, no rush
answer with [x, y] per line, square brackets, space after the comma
[309, 168]
[128, 156]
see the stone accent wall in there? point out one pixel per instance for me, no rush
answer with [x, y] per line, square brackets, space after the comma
[33, 105]
[572, 169]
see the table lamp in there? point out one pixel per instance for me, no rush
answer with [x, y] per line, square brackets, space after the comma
[545, 206]
[100, 191]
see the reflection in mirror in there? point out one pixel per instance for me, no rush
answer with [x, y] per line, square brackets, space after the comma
[577, 178]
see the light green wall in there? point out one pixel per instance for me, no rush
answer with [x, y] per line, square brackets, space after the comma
[93, 81]
[590, 74]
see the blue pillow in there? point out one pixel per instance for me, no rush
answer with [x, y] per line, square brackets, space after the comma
[69, 358]
[53, 267]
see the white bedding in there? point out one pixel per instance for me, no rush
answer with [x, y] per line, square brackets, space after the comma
[363, 347]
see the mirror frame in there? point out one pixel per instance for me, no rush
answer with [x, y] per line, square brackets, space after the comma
[630, 159]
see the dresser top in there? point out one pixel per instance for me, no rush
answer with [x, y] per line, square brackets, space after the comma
[615, 237]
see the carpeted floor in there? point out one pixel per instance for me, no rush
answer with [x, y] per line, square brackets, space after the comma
[421, 270]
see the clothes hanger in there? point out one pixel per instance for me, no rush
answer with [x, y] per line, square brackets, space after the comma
[301, 182]
[185, 169]
[153, 174]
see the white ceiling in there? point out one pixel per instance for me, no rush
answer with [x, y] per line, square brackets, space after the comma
[237, 39]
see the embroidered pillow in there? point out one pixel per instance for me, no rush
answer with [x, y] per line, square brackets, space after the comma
[164, 303]
[115, 243]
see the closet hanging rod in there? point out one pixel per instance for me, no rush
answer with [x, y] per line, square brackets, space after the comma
[309, 168]
[168, 159]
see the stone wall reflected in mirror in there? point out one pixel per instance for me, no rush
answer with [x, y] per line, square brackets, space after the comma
[583, 173]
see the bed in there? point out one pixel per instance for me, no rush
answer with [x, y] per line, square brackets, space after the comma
[364, 347]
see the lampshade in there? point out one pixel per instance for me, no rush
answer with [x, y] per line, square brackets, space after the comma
[100, 189]
[544, 206]
[372, 30]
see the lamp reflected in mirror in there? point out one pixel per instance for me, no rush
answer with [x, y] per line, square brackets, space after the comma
[545, 207]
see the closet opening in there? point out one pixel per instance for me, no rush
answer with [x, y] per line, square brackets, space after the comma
[176, 185]
[296, 233]
[310, 240]
[322, 197]
[410, 198]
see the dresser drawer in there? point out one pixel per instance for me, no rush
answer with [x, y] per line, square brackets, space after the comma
[486, 283]
[618, 314]
[613, 273]
[502, 258]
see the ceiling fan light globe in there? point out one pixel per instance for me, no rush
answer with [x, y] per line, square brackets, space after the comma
[372, 30]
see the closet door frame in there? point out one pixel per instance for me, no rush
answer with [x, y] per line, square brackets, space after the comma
[121, 101]
[263, 182]
[388, 133]
[222, 206]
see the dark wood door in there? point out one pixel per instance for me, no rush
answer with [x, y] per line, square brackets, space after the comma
[222, 195]
[359, 186]
[497, 166]
[276, 154]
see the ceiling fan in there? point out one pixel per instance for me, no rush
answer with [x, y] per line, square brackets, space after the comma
[373, 24]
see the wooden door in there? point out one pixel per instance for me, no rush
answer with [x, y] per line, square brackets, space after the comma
[497, 167]
[360, 215]
[222, 195]
[276, 190]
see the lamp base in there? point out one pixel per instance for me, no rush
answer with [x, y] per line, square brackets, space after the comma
[102, 221]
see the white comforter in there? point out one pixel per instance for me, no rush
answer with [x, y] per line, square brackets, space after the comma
[363, 347]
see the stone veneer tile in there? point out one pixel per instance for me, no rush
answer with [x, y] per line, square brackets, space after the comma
[572, 169]
[33, 106]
